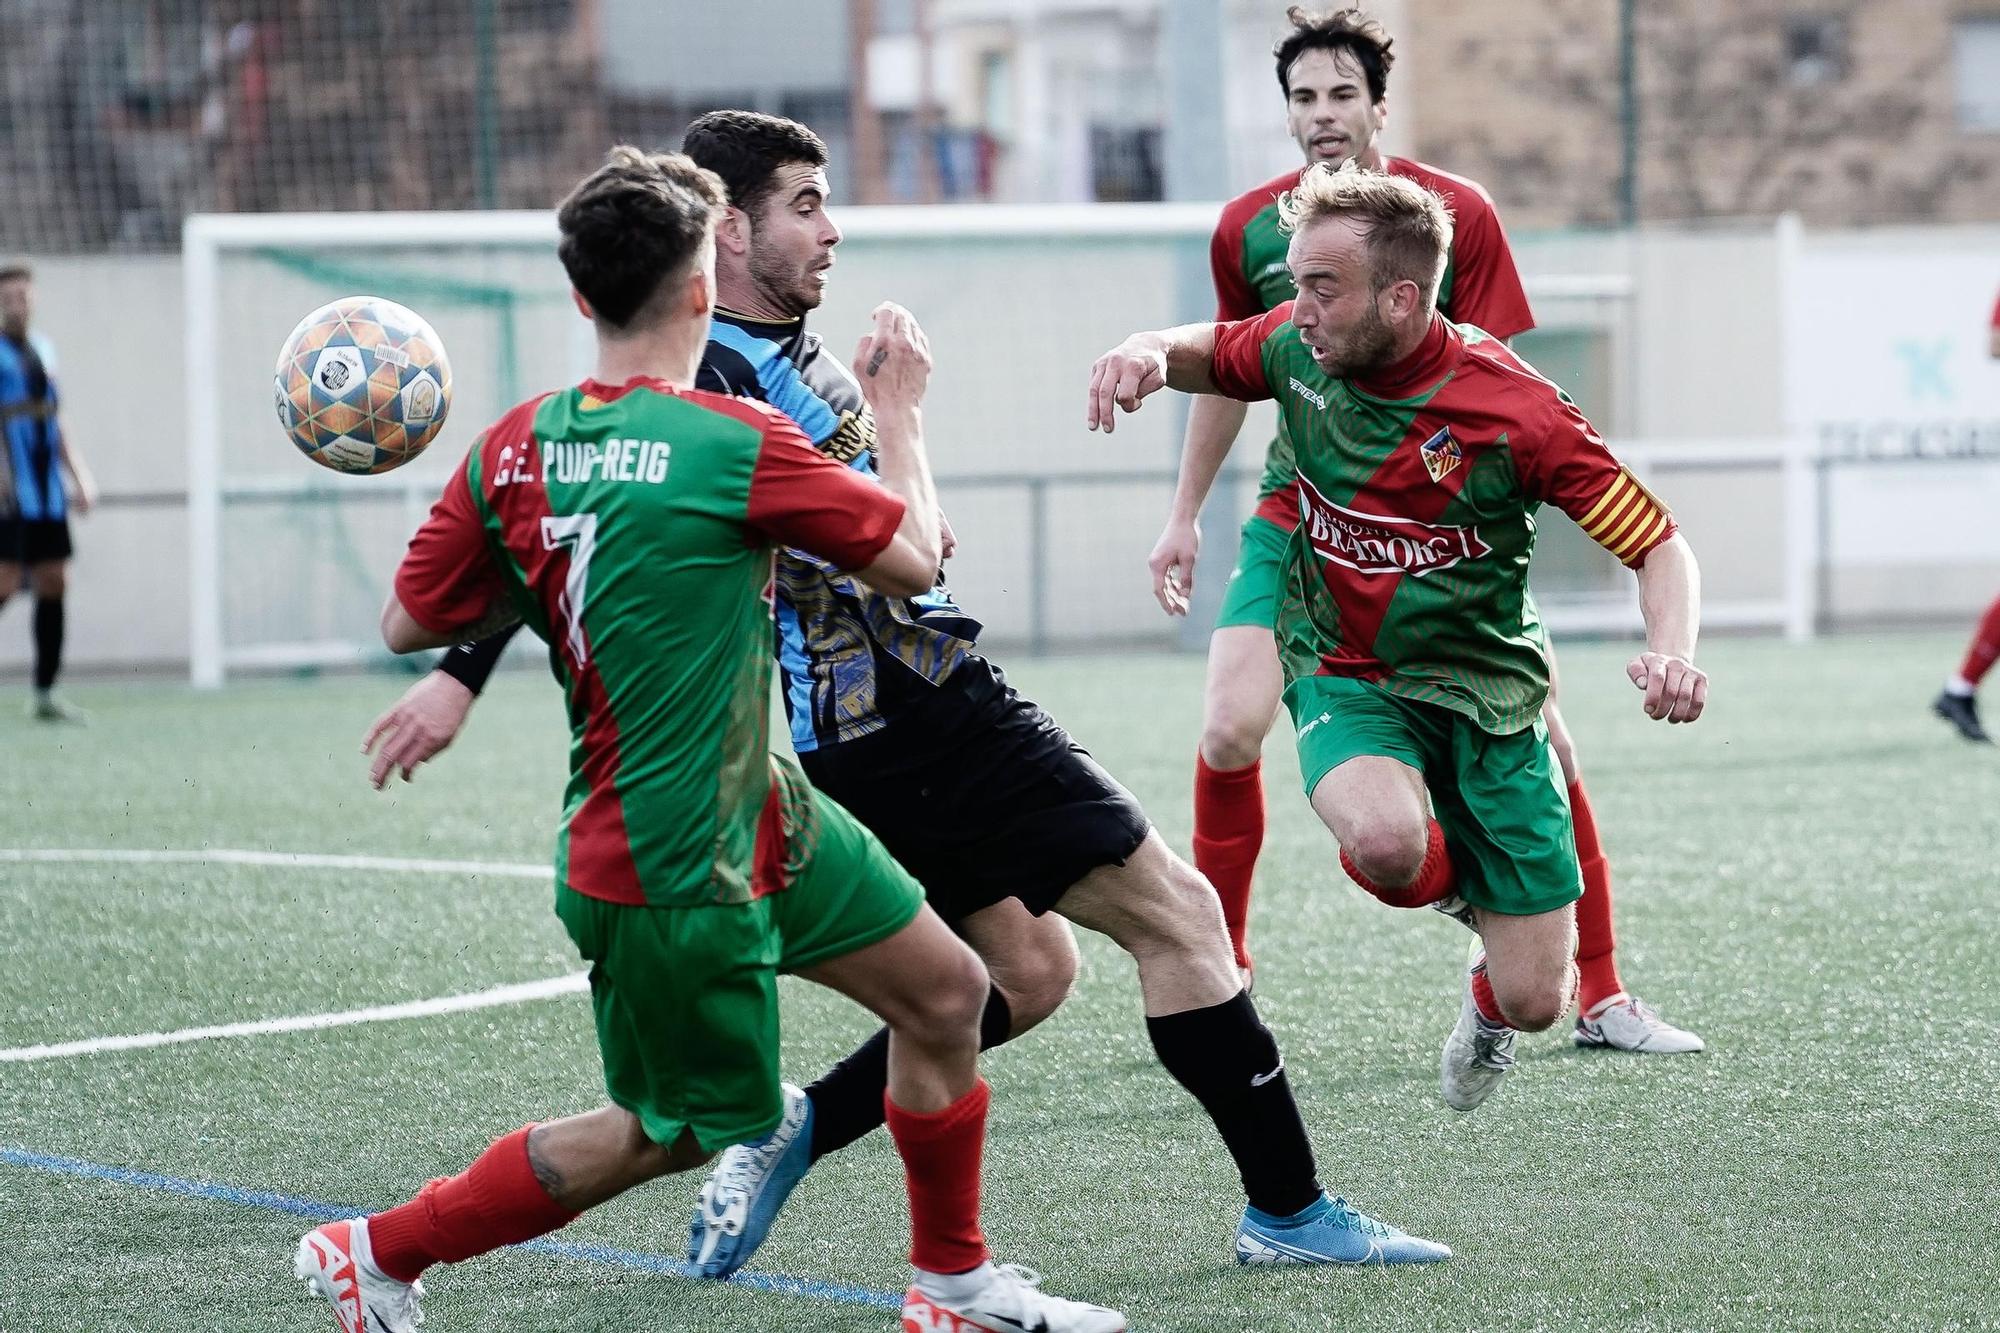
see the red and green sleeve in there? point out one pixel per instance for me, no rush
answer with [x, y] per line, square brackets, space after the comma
[1237, 365]
[1570, 467]
[1235, 298]
[800, 498]
[1486, 289]
[449, 579]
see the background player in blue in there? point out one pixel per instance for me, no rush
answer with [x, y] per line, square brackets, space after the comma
[1008, 824]
[34, 503]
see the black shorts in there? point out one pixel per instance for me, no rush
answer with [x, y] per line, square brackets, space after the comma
[982, 796]
[30, 541]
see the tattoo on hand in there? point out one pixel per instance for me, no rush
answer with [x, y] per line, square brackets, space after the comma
[875, 361]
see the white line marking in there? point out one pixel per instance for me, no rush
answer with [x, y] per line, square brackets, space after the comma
[286, 860]
[446, 1004]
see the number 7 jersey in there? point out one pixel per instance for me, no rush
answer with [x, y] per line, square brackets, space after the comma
[632, 527]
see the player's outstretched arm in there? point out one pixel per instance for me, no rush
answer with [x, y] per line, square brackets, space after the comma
[1145, 363]
[893, 364]
[417, 727]
[1670, 599]
[1213, 424]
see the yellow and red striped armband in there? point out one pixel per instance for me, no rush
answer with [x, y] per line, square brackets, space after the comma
[1627, 520]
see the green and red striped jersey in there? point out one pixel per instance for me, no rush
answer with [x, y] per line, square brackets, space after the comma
[1246, 258]
[1417, 501]
[633, 527]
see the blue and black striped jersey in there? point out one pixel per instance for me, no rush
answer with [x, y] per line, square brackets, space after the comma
[851, 658]
[30, 481]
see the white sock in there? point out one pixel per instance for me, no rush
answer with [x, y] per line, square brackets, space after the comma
[954, 1287]
[1958, 687]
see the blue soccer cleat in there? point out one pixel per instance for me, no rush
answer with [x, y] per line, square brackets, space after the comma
[1329, 1232]
[750, 1183]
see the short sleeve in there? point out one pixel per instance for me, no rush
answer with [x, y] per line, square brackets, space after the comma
[1237, 366]
[449, 579]
[1234, 297]
[1570, 467]
[802, 499]
[1486, 289]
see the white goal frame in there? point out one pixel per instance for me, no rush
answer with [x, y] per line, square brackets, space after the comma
[208, 239]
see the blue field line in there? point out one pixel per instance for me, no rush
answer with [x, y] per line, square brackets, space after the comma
[326, 1212]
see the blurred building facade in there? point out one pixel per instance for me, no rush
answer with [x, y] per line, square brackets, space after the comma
[124, 115]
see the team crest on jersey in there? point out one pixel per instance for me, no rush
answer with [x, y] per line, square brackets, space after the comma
[1441, 454]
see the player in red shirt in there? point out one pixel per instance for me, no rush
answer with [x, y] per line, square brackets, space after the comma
[1414, 660]
[1956, 702]
[1334, 69]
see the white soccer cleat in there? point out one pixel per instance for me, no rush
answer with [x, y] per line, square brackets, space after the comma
[336, 1262]
[1477, 1054]
[1627, 1023]
[1012, 1301]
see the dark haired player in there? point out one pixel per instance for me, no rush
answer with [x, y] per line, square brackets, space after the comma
[1414, 659]
[1334, 70]
[1009, 825]
[35, 542]
[630, 521]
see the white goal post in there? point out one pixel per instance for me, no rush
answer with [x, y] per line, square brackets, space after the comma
[287, 562]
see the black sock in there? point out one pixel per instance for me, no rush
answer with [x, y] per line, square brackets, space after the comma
[847, 1100]
[48, 640]
[1228, 1059]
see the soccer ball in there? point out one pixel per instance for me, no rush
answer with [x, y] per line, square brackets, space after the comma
[363, 385]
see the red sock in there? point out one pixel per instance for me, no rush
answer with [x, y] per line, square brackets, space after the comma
[1228, 835]
[1435, 880]
[1980, 656]
[1482, 997]
[1596, 943]
[496, 1201]
[941, 1151]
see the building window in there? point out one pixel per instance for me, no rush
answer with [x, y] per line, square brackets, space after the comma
[1815, 49]
[1975, 60]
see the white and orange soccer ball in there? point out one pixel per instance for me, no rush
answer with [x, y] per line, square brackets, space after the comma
[363, 385]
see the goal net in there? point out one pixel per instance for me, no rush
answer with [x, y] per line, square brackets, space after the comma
[290, 562]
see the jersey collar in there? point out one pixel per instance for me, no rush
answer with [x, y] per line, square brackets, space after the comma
[777, 330]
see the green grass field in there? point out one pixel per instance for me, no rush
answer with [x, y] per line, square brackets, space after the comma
[1805, 878]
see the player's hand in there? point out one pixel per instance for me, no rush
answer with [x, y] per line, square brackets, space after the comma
[1172, 563]
[1123, 377]
[893, 362]
[423, 722]
[84, 499]
[1676, 689]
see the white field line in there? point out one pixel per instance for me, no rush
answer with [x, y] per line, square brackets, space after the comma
[445, 1004]
[520, 993]
[286, 860]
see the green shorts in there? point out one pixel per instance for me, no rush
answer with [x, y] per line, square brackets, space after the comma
[1252, 595]
[1499, 799]
[686, 998]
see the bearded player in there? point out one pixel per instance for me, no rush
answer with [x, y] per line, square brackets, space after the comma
[631, 522]
[1414, 660]
[1334, 70]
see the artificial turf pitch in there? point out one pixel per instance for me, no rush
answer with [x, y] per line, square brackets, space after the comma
[1805, 878]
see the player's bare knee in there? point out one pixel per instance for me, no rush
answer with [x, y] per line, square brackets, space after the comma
[1388, 855]
[947, 1007]
[1231, 741]
[1533, 1006]
[49, 580]
[1037, 984]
